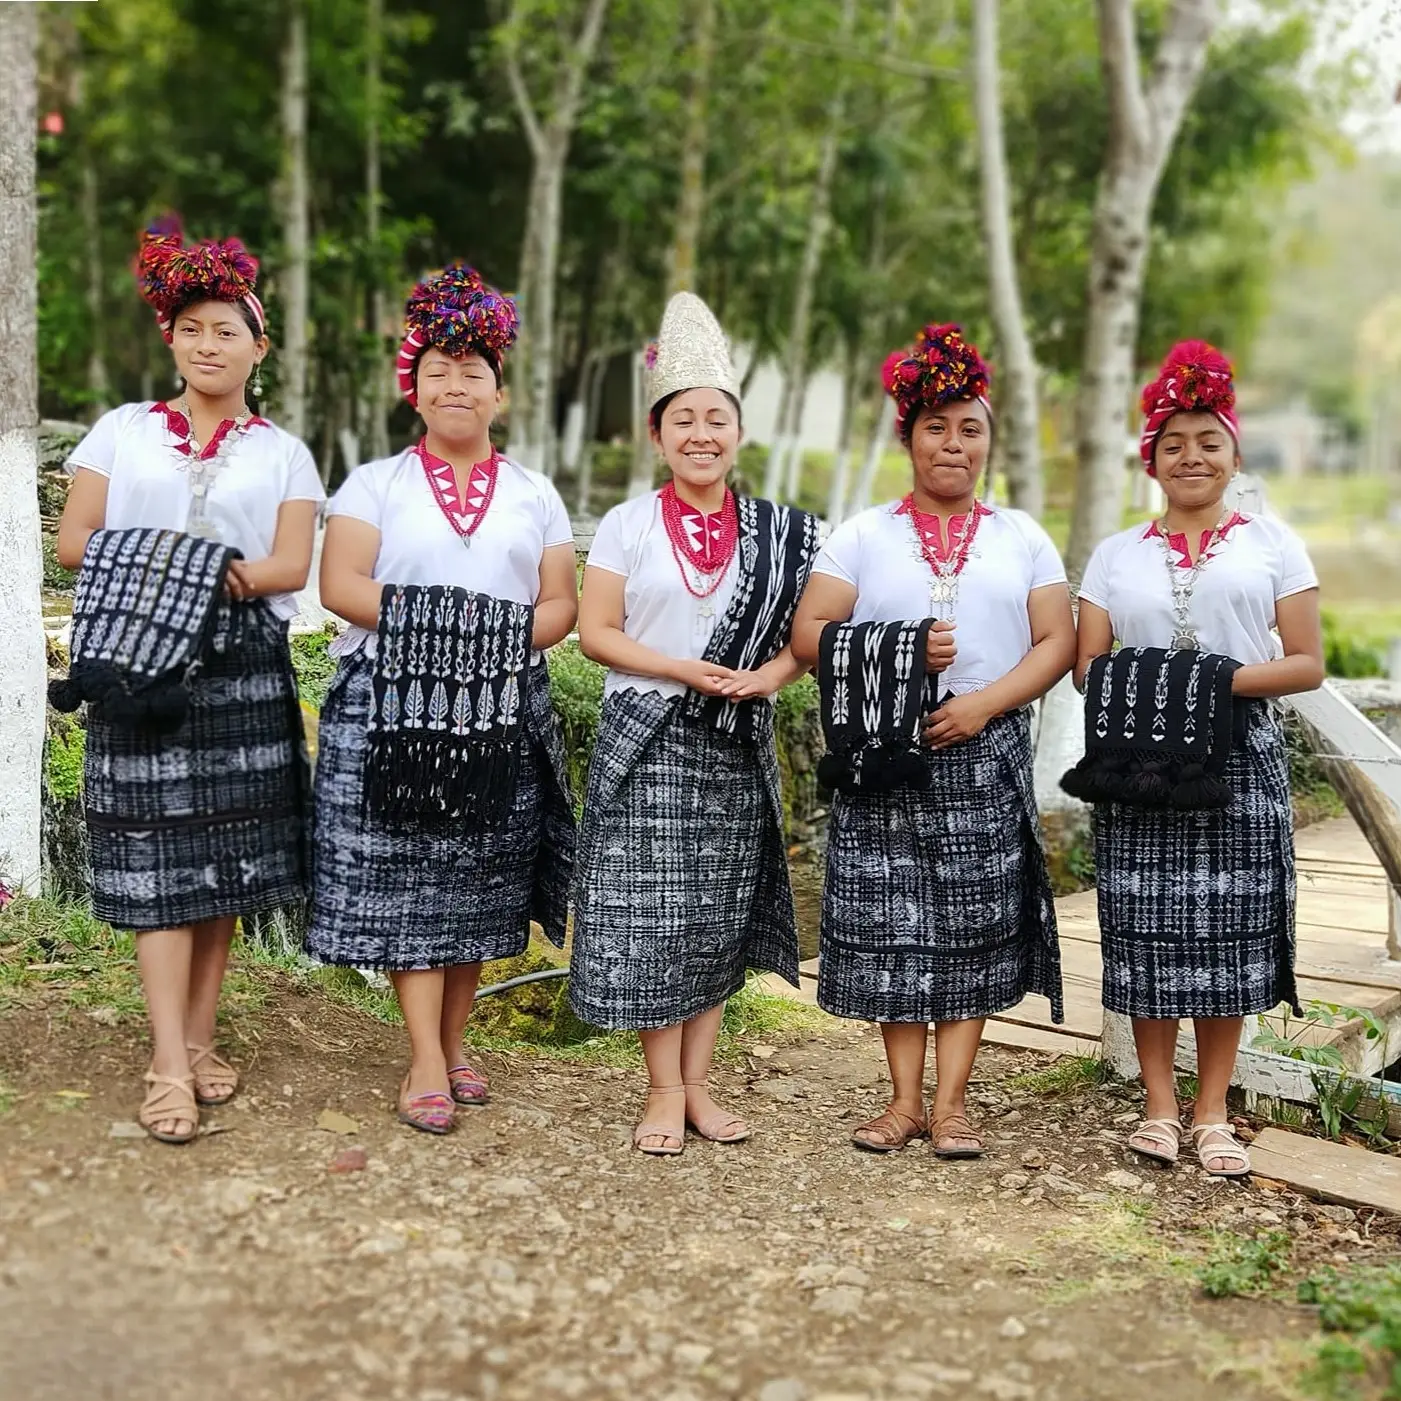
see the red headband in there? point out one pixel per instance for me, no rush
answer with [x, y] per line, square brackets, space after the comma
[1195, 378]
[939, 368]
[458, 313]
[173, 273]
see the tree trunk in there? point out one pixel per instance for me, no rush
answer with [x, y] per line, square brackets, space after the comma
[376, 418]
[841, 463]
[882, 431]
[22, 679]
[295, 235]
[1143, 125]
[99, 388]
[690, 208]
[793, 461]
[782, 471]
[532, 386]
[1019, 425]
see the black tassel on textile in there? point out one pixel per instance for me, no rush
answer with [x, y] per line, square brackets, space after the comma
[1159, 726]
[445, 726]
[149, 606]
[874, 697]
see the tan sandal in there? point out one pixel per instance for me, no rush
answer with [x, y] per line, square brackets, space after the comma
[891, 1131]
[1158, 1139]
[954, 1137]
[673, 1144]
[1227, 1146]
[721, 1126]
[171, 1099]
[218, 1083]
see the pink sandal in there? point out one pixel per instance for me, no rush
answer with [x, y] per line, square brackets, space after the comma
[468, 1086]
[428, 1113]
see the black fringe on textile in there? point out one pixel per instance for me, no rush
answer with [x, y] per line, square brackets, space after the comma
[1130, 776]
[878, 768]
[159, 706]
[433, 777]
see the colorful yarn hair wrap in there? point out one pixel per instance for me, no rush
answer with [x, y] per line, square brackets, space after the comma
[939, 368]
[1195, 378]
[173, 274]
[458, 313]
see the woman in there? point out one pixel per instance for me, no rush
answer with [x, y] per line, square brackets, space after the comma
[937, 906]
[190, 829]
[682, 885]
[443, 823]
[1196, 909]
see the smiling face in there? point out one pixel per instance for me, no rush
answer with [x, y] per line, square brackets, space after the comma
[1194, 458]
[699, 436]
[215, 348]
[949, 448]
[457, 395]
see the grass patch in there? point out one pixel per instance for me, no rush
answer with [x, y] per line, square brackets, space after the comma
[1238, 1267]
[1119, 1238]
[1063, 1076]
[1360, 1314]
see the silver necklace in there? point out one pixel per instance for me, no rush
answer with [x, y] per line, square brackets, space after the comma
[202, 472]
[1184, 581]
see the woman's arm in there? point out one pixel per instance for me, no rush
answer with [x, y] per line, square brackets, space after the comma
[348, 586]
[1051, 655]
[826, 599]
[1301, 666]
[602, 639]
[557, 606]
[765, 680]
[84, 512]
[1093, 638]
[286, 569]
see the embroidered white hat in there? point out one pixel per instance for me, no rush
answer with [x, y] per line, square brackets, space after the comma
[691, 352]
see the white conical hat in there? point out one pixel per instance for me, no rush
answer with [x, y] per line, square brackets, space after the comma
[692, 352]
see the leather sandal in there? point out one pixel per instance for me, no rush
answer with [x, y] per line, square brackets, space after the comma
[720, 1126]
[468, 1086]
[1159, 1139]
[891, 1130]
[170, 1098]
[673, 1143]
[954, 1137]
[218, 1083]
[1225, 1146]
[428, 1113]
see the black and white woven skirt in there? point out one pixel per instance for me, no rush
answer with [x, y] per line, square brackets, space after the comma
[401, 896]
[937, 905]
[209, 821]
[1196, 909]
[681, 883]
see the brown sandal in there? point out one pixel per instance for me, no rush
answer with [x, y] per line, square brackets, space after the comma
[173, 1101]
[953, 1137]
[891, 1128]
[219, 1082]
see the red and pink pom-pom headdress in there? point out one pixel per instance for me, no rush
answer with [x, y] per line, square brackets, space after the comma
[939, 368]
[1195, 378]
[172, 273]
[458, 313]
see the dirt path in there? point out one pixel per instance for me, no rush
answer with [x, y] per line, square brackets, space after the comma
[532, 1254]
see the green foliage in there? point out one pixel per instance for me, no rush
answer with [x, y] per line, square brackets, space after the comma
[1361, 1311]
[55, 575]
[1239, 1266]
[314, 665]
[1063, 1076]
[576, 688]
[63, 758]
[1312, 791]
[1343, 655]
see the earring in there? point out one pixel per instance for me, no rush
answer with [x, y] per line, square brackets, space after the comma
[179, 380]
[257, 385]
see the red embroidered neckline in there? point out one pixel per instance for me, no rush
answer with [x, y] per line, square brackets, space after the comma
[705, 542]
[463, 516]
[179, 427]
[1178, 539]
[933, 546]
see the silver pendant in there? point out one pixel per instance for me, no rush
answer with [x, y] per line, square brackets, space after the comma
[202, 529]
[1184, 641]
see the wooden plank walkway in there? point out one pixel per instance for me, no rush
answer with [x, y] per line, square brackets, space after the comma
[1343, 910]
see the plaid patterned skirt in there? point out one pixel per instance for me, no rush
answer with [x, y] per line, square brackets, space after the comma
[683, 882]
[937, 905]
[1196, 909]
[209, 821]
[403, 896]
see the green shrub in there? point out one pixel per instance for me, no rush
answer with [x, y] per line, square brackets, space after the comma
[576, 688]
[55, 575]
[63, 757]
[313, 664]
[1344, 656]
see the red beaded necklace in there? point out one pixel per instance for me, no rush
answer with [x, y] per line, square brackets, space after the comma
[464, 517]
[705, 543]
[946, 565]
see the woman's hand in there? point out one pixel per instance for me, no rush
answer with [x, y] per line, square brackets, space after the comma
[956, 721]
[239, 583]
[940, 650]
[705, 677]
[750, 685]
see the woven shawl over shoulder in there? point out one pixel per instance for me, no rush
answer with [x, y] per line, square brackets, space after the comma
[873, 682]
[1159, 726]
[148, 608]
[446, 716]
[777, 546]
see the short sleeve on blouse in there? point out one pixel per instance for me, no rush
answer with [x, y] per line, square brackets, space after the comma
[361, 497]
[1046, 564]
[1296, 568]
[1094, 587]
[558, 530]
[840, 557]
[303, 480]
[609, 549]
[98, 449]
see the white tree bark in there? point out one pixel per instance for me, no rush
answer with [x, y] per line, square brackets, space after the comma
[846, 433]
[532, 386]
[1018, 436]
[295, 277]
[23, 677]
[882, 435]
[376, 419]
[1144, 120]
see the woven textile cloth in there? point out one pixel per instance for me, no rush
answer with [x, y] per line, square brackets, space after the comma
[402, 894]
[682, 879]
[146, 609]
[1196, 909]
[210, 820]
[937, 905]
